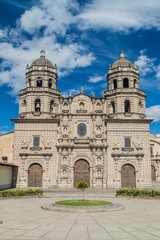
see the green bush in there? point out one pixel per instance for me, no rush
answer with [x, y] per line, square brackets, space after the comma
[137, 192]
[81, 185]
[21, 192]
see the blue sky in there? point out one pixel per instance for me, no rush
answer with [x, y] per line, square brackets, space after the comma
[82, 37]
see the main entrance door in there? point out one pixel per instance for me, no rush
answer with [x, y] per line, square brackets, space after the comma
[128, 176]
[35, 172]
[81, 172]
[153, 173]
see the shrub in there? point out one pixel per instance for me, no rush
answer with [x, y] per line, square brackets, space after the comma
[137, 192]
[21, 192]
[81, 185]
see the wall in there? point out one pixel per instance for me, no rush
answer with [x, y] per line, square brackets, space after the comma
[5, 177]
[6, 146]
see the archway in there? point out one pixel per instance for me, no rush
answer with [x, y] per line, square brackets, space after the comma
[128, 176]
[81, 172]
[153, 173]
[35, 173]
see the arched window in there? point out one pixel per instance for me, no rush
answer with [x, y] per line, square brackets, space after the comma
[125, 83]
[29, 82]
[113, 107]
[65, 105]
[115, 84]
[127, 106]
[39, 82]
[135, 81]
[81, 105]
[51, 105]
[50, 83]
[37, 105]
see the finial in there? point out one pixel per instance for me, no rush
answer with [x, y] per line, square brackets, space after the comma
[122, 54]
[93, 94]
[42, 53]
[27, 65]
[102, 94]
[109, 65]
[55, 65]
[82, 90]
[70, 93]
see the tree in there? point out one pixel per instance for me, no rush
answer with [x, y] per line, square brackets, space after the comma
[82, 185]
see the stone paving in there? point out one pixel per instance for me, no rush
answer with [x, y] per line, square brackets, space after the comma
[24, 219]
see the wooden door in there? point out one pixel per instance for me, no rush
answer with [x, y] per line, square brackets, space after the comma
[81, 172]
[35, 175]
[128, 176]
[153, 169]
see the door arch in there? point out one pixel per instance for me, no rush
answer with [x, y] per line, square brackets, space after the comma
[128, 176]
[35, 173]
[81, 172]
[153, 173]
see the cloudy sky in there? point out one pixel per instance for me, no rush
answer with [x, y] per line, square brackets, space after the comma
[82, 37]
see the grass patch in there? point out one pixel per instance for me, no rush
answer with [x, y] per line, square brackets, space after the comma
[83, 203]
[21, 192]
[137, 192]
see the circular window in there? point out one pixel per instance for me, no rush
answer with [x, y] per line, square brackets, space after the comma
[81, 129]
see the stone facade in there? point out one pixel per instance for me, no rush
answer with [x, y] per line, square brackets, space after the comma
[6, 147]
[104, 141]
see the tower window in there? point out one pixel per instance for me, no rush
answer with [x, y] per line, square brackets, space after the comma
[51, 105]
[50, 83]
[135, 81]
[127, 142]
[39, 82]
[151, 151]
[35, 141]
[127, 106]
[115, 84]
[37, 105]
[29, 82]
[113, 107]
[125, 83]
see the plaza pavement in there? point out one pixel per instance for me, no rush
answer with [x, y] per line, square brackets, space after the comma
[24, 219]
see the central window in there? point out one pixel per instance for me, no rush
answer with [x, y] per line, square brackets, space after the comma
[82, 129]
[36, 141]
[127, 142]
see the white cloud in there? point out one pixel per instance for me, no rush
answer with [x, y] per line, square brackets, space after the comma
[121, 15]
[51, 19]
[96, 79]
[54, 15]
[73, 92]
[57, 16]
[146, 64]
[157, 135]
[15, 59]
[153, 112]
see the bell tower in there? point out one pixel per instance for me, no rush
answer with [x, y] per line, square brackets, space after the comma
[40, 97]
[124, 98]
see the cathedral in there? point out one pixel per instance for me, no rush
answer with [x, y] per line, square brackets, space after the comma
[60, 141]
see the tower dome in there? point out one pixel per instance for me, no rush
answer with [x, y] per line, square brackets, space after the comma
[42, 61]
[122, 61]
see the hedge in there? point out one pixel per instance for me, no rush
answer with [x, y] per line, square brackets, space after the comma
[137, 192]
[21, 192]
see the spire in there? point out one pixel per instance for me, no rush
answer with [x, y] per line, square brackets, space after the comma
[42, 54]
[122, 54]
